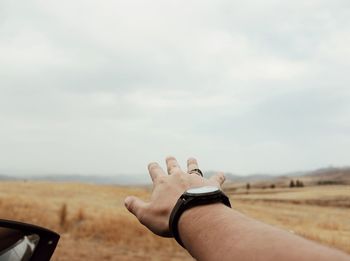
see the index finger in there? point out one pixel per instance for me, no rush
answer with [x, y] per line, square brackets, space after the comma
[172, 165]
[155, 170]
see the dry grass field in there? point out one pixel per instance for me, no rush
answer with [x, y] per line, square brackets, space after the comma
[94, 224]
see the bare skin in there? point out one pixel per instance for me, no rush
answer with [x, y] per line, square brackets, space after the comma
[216, 232]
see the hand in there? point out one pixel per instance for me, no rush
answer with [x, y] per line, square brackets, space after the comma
[167, 189]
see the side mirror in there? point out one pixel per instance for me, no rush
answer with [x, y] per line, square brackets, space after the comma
[25, 242]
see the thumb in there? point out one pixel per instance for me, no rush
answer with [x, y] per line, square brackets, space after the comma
[135, 205]
[218, 178]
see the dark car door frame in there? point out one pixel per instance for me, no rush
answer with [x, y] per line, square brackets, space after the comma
[47, 239]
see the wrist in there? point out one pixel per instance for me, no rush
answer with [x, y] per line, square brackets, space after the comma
[191, 198]
[197, 223]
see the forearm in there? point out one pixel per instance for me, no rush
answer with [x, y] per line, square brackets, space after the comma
[215, 232]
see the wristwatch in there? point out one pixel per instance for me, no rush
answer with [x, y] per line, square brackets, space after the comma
[194, 197]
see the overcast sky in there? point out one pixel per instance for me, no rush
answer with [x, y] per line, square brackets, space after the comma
[104, 87]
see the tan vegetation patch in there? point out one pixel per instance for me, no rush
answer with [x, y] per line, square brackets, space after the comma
[325, 223]
[94, 224]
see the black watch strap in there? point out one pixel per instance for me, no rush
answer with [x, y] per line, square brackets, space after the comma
[186, 202]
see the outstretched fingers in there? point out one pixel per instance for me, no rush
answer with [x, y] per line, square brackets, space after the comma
[135, 205]
[155, 170]
[191, 164]
[218, 178]
[172, 165]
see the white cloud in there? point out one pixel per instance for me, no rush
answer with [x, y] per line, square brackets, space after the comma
[103, 87]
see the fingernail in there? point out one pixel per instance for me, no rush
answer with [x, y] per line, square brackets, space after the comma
[127, 201]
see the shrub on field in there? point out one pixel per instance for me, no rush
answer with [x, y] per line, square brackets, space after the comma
[63, 215]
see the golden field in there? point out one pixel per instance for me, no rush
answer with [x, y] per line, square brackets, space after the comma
[94, 225]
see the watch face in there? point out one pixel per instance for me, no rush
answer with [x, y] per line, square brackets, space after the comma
[202, 190]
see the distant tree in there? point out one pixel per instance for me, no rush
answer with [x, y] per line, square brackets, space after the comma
[248, 186]
[299, 184]
[291, 184]
[63, 215]
[272, 186]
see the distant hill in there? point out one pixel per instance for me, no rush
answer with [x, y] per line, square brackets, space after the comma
[5, 177]
[323, 176]
[95, 179]
[329, 175]
[240, 178]
[98, 179]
